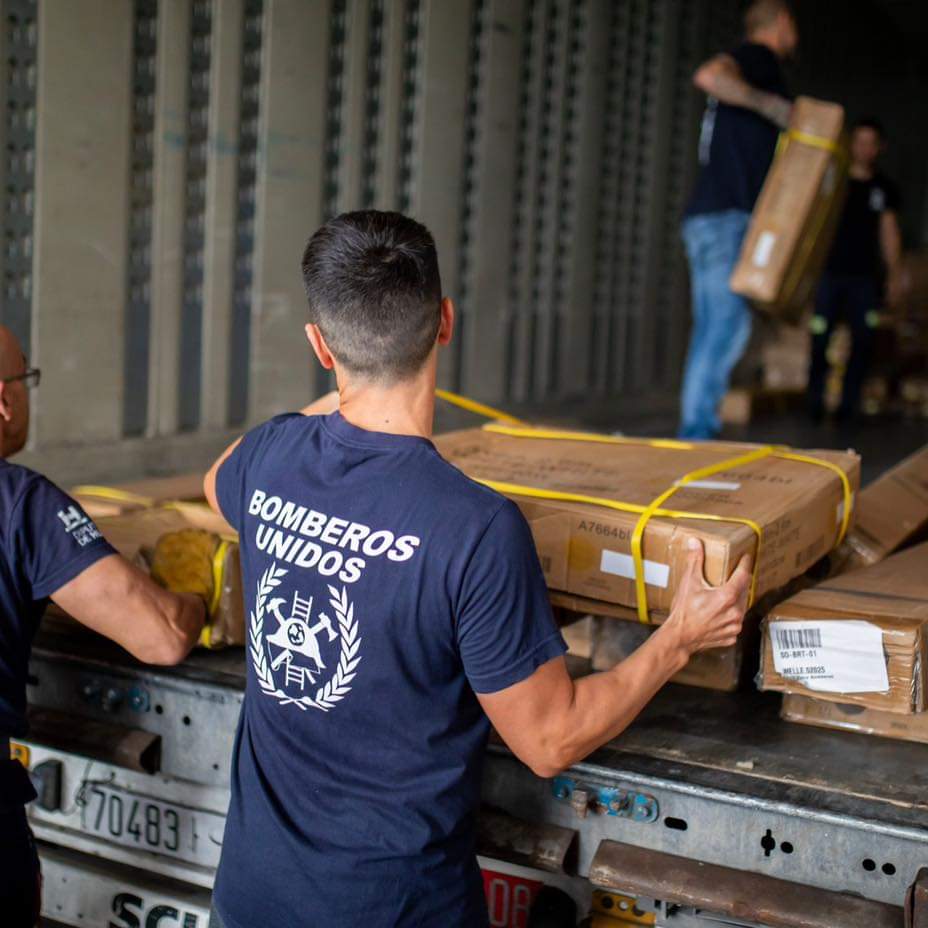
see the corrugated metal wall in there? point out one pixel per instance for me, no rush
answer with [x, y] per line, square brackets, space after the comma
[162, 173]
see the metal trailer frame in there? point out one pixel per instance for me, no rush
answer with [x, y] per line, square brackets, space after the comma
[676, 783]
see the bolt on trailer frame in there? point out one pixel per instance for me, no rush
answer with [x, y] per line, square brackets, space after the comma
[132, 765]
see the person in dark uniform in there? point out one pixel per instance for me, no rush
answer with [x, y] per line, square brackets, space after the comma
[50, 549]
[864, 260]
[748, 105]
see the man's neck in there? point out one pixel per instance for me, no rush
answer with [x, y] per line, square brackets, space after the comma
[405, 408]
[860, 171]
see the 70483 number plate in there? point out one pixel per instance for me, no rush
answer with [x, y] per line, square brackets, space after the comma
[149, 824]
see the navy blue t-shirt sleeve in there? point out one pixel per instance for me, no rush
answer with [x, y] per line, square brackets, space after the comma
[54, 539]
[505, 627]
[232, 477]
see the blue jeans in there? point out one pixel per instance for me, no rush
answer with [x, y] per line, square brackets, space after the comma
[721, 319]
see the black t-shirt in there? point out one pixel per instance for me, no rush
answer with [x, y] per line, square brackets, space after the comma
[46, 540]
[736, 145]
[856, 249]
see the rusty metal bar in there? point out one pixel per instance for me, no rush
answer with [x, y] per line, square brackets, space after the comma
[130, 748]
[916, 901]
[543, 847]
[739, 894]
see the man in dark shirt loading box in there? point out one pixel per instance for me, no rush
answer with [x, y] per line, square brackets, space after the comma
[747, 107]
[393, 605]
[866, 254]
[50, 549]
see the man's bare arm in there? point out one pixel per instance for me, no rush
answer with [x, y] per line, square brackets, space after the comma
[320, 407]
[720, 77]
[118, 600]
[551, 721]
[891, 250]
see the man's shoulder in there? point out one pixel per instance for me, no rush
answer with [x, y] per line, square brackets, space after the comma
[473, 498]
[15, 479]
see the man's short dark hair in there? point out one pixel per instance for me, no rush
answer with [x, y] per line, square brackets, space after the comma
[871, 122]
[374, 290]
[763, 13]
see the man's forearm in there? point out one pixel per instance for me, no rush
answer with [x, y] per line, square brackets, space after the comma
[735, 91]
[605, 704]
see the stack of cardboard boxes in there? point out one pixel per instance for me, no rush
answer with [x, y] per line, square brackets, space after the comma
[584, 495]
[852, 652]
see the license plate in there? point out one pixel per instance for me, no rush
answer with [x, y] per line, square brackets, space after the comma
[509, 898]
[149, 824]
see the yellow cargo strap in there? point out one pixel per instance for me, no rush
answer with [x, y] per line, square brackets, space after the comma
[481, 409]
[654, 508]
[813, 141]
[112, 493]
[212, 606]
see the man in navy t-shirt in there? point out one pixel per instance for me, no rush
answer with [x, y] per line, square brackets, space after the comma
[50, 549]
[747, 106]
[865, 256]
[392, 605]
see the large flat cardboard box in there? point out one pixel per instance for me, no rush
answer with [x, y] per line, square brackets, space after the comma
[585, 548]
[891, 512]
[796, 214]
[858, 638]
[114, 499]
[843, 717]
[135, 534]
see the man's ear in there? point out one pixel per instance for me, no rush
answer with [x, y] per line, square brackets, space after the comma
[6, 408]
[446, 325]
[321, 349]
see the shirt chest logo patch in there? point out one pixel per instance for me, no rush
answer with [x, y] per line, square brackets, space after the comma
[877, 200]
[303, 658]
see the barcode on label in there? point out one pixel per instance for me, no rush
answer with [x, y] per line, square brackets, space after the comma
[791, 638]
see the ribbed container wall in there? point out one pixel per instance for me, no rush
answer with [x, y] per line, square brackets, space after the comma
[161, 176]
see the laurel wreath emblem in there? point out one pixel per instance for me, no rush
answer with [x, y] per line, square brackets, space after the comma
[339, 684]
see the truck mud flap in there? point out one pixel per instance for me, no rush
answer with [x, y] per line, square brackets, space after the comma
[738, 894]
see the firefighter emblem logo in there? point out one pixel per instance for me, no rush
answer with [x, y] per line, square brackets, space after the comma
[291, 655]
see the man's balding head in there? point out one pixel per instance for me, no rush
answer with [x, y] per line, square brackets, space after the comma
[772, 23]
[14, 395]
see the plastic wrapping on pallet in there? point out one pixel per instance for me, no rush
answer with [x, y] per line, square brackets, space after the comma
[858, 638]
[135, 535]
[584, 496]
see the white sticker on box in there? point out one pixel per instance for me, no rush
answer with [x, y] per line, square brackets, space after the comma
[843, 656]
[709, 485]
[763, 249]
[622, 565]
[839, 514]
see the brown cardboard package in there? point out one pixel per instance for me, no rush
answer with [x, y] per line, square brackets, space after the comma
[844, 717]
[135, 534]
[858, 638]
[585, 548]
[719, 669]
[796, 213]
[114, 499]
[809, 711]
[891, 512]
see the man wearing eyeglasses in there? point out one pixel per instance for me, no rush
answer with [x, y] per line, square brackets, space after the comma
[50, 549]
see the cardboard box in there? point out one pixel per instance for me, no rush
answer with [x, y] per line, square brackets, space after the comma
[858, 638]
[135, 534]
[585, 549]
[843, 717]
[117, 498]
[796, 214]
[719, 669]
[891, 512]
